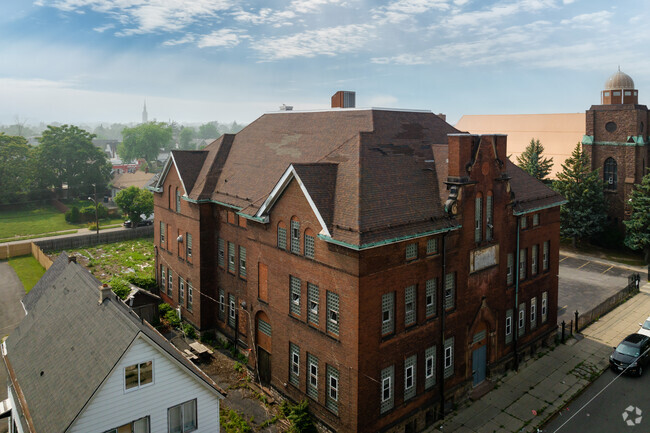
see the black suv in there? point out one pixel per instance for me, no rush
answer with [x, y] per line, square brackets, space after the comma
[632, 354]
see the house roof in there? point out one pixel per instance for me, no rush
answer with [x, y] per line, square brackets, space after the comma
[69, 343]
[31, 298]
[125, 180]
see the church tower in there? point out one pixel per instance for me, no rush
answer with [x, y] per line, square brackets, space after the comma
[616, 140]
[145, 118]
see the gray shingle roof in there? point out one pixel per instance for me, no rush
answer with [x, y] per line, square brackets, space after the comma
[46, 280]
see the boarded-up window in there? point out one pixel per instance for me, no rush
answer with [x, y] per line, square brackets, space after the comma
[221, 260]
[262, 282]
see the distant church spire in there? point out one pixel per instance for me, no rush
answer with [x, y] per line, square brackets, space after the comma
[145, 118]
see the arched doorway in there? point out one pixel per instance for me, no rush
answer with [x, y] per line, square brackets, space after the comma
[479, 354]
[263, 333]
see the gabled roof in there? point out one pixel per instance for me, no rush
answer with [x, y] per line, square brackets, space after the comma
[58, 265]
[530, 194]
[189, 164]
[67, 345]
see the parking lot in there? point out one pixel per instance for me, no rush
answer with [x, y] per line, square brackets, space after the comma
[585, 282]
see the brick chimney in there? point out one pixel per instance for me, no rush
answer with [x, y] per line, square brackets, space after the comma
[344, 99]
[459, 154]
[104, 292]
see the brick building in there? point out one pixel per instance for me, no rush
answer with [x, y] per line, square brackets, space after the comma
[616, 140]
[328, 242]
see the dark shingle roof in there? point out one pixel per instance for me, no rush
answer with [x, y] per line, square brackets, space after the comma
[68, 343]
[46, 281]
[320, 182]
[529, 193]
[189, 163]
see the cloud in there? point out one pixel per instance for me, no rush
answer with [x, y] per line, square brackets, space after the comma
[402, 10]
[102, 29]
[227, 38]
[188, 38]
[327, 42]
[586, 21]
[493, 15]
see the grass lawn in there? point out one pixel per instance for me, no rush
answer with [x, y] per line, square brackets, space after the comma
[28, 269]
[36, 221]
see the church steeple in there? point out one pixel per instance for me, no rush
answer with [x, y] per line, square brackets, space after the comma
[145, 118]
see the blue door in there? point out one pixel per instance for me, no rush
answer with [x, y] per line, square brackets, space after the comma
[479, 359]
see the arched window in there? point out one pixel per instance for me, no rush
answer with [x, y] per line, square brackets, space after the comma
[611, 178]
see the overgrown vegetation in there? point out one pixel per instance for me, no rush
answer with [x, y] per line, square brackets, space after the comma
[189, 330]
[120, 287]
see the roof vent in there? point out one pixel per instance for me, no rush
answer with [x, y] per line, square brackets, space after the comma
[285, 107]
[104, 291]
[344, 99]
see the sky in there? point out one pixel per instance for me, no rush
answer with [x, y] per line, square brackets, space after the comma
[78, 61]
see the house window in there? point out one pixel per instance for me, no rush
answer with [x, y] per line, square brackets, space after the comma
[523, 222]
[431, 297]
[545, 256]
[387, 305]
[182, 418]
[294, 287]
[162, 234]
[178, 200]
[489, 218]
[242, 262]
[221, 257]
[535, 220]
[332, 313]
[188, 245]
[533, 259]
[616, 93]
[282, 236]
[181, 290]
[522, 319]
[170, 283]
[163, 278]
[411, 251]
[387, 399]
[450, 289]
[190, 295]
[509, 326]
[312, 380]
[295, 237]
[312, 299]
[449, 357]
[533, 313]
[432, 246]
[544, 307]
[522, 263]
[231, 311]
[141, 425]
[430, 367]
[478, 222]
[509, 273]
[309, 246]
[294, 369]
[138, 375]
[231, 257]
[409, 305]
[222, 304]
[331, 402]
[409, 377]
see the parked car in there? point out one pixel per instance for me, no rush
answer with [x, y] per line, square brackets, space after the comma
[631, 355]
[645, 327]
[144, 221]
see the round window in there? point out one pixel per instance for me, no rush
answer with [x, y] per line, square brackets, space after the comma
[610, 126]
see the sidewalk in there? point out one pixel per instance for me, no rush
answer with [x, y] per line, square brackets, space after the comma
[551, 380]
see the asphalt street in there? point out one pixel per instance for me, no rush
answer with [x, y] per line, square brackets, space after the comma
[613, 403]
[11, 313]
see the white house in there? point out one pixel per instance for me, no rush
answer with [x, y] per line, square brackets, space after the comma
[82, 361]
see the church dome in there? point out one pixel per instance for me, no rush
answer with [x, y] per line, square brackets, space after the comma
[620, 80]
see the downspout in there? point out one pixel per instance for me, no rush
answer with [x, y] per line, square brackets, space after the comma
[515, 329]
[442, 327]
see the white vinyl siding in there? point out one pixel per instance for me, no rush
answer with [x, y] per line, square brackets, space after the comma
[410, 306]
[430, 298]
[430, 367]
[387, 396]
[173, 385]
[410, 377]
[387, 313]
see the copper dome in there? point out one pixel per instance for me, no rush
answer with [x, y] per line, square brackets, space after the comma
[620, 80]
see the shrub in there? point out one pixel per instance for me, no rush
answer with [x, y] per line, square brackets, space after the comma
[164, 308]
[300, 419]
[189, 330]
[172, 318]
[233, 422]
[120, 287]
[143, 280]
[72, 215]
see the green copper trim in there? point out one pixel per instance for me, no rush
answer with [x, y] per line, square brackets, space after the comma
[387, 241]
[559, 203]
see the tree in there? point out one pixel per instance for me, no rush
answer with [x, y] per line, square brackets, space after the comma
[637, 227]
[185, 138]
[208, 130]
[584, 214]
[144, 141]
[135, 202]
[532, 162]
[66, 155]
[17, 168]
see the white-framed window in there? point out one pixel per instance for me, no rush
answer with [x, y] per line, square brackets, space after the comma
[295, 237]
[332, 313]
[545, 256]
[411, 251]
[162, 234]
[450, 290]
[182, 418]
[544, 307]
[222, 304]
[331, 402]
[190, 295]
[522, 263]
[409, 377]
[312, 378]
[242, 262]
[309, 246]
[181, 290]
[432, 246]
[449, 357]
[478, 219]
[410, 305]
[387, 397]
[294, 302]
[312, 300]
[387, 319]
[231, 257]
[430, 367]
[509, 267]
[163, 277]
[533, 313]
[138, 376]
[430, 298]
[170, 283]
[188, 245]
[522, 319]
[141, 425]
[294, 370]
[508, 326]
[232, 311]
